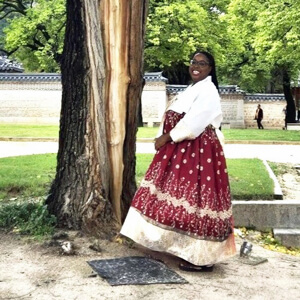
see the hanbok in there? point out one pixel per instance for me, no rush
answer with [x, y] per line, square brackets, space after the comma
[183, 205]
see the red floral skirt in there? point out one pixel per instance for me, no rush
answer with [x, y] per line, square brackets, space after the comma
[186, 187]
[183, 204]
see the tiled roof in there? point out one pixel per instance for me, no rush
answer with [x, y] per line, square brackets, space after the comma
[264, 97]
[174, 89]
[46, 77]
[230, 89]
[224, 89]
[155, 76]
[27, 77]
[9, 66]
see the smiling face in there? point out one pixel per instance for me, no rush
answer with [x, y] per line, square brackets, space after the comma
[199, 68]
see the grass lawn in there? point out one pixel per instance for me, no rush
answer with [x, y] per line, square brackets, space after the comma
[35, 131]
[51, 131]
[31, 176]
[261, 135]
[26, 176]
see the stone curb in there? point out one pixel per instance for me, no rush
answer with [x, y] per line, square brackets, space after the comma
[277, 189]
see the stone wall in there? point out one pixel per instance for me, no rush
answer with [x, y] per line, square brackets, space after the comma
[30, 106]
[239, 107]
[273, 113]
[30, 98]
[233, 110]
[36, 99]
[232, 102]
[154, 99]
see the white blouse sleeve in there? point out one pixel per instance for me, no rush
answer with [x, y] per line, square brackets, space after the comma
[205, 109]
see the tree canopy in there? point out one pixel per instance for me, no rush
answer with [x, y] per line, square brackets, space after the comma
[34, 32]
[267, 52]
[175, 29]
[267, 42]
[254, 42]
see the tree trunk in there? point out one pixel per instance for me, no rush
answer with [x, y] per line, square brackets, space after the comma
[290, 108]
[136, 31]
[177, 74]
[102, 84]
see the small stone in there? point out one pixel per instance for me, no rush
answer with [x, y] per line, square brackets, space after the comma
[68, 248]
[95, 246]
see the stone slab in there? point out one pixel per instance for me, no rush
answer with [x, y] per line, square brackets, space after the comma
[134, 270]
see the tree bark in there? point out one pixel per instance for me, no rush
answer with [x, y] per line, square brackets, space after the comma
[290, 108]
[102, 83]
[136, 31]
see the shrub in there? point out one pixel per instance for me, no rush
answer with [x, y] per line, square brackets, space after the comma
[27, 217]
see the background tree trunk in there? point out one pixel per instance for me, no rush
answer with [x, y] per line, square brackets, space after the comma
[102, 83]
[290, 108]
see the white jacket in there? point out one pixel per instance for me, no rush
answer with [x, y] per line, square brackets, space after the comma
[201, 104]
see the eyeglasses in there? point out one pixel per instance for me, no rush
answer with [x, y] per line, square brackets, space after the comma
[202, 64]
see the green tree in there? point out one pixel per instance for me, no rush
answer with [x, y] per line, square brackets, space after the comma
[176, 29]
[278, 40]
[269, 47]
[35, 31]
[243, 66]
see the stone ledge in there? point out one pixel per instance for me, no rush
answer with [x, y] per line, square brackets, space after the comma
[289, 237]
[264, 215]
[293, 126]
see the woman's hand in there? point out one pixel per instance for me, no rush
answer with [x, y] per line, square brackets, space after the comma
[162, 140]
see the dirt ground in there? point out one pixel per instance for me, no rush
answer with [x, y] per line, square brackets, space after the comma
[31, 270]
[289, 181]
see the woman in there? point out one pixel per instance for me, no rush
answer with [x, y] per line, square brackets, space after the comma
[183, 205]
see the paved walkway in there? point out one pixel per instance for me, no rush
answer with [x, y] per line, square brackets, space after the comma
[275, 153]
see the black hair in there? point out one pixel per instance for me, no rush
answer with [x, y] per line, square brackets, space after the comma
[212, 64]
